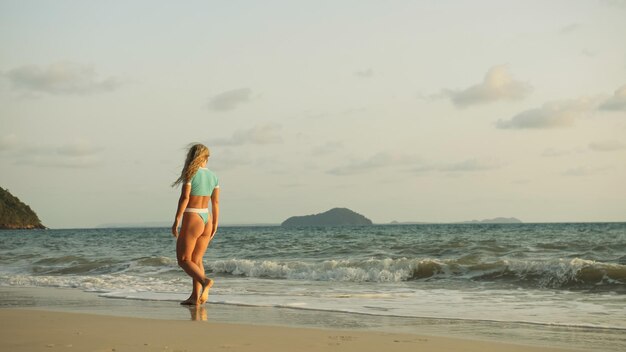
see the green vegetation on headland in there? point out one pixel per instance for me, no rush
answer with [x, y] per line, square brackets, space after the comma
[333, 217]
[16, 215]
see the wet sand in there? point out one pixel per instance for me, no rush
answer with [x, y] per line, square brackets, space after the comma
[40, 330]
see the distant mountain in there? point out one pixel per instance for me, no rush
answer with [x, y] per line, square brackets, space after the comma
[161, 224]
[333, 217]
[499, 220]
[409, 222]
[16, 215]
[147, 224]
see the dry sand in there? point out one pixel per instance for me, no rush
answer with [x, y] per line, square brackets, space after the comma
[38, 330]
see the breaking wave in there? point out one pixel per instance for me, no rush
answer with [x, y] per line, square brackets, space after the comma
[561, 273]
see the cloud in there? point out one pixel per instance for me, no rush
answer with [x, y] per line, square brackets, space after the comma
[551, 152]
[617, 101]
[415, 164]
[584, 171]
[377, 161]
[351, 111]
[498, 84]
[607, 146]
[472, 165]
[328, 148]
[8, 142]
[230, 100]
[78, 154]
[226, 159]
[60, 78]
[570, 28]
[615, 3]
[563, 113]
[468, 165]
[261, 134]
[315, 115]
[72, 163]
[79, 148]
[588, 53]
[364, 73]
[554, 114]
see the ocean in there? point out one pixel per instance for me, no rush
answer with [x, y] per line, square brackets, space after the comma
[570, 275]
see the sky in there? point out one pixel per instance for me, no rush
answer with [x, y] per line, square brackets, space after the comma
[434, 111]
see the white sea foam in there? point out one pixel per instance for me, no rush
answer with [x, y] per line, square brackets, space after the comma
[536, 307]
[391, 299]
[541, 273]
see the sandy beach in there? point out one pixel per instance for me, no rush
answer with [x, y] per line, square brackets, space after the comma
[40, 330]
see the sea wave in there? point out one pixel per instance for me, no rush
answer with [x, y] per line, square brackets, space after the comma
[83, 265]
[99, 283]
[561, 273]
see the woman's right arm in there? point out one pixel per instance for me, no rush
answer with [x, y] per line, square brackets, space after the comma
[215, 209]
[182, 204]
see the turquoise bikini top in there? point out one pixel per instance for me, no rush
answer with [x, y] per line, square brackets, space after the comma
[203, 182]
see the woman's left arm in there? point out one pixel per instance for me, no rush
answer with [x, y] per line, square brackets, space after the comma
[215, 209]
[182, 204]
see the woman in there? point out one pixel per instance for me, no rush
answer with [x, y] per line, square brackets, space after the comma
[198, 226]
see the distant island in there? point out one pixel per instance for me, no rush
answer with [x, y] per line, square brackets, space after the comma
[498, 220]
[333, 217]
[14, 214]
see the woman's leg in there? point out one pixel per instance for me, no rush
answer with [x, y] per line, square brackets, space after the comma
[191, 229]
[198, 253]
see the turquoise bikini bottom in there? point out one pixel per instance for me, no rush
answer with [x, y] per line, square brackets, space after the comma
[203, 212]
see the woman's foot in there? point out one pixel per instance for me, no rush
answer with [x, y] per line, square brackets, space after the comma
[204, 297]
[189, 302]
[206, 285]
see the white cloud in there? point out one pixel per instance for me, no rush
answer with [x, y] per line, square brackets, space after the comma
[78, 148]
[468, 165]
[607, 146]
[570, 28]
[78, 154]
[8, 142]
[551, 152]
[60, 162]
[554, 114]
[315, 115]
[563, 113]
[584, 171]
[364, 73]
[230, 100]
[615, 3]
[377, 161]
[498, 84]
[472, 165]
[617, 101]
[415, 164]
[328, 148]
[261, 134]
[226, 159]
[60, 78]
[354, 111]
[588, 53]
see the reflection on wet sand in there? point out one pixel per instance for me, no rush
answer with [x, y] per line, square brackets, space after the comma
[198, 312]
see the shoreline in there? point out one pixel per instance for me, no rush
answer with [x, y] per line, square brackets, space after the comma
[83, 331]
[34, 301]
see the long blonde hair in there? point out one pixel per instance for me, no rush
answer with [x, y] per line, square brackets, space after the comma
[197, 154]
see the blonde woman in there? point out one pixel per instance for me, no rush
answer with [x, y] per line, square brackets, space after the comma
[199, 185]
